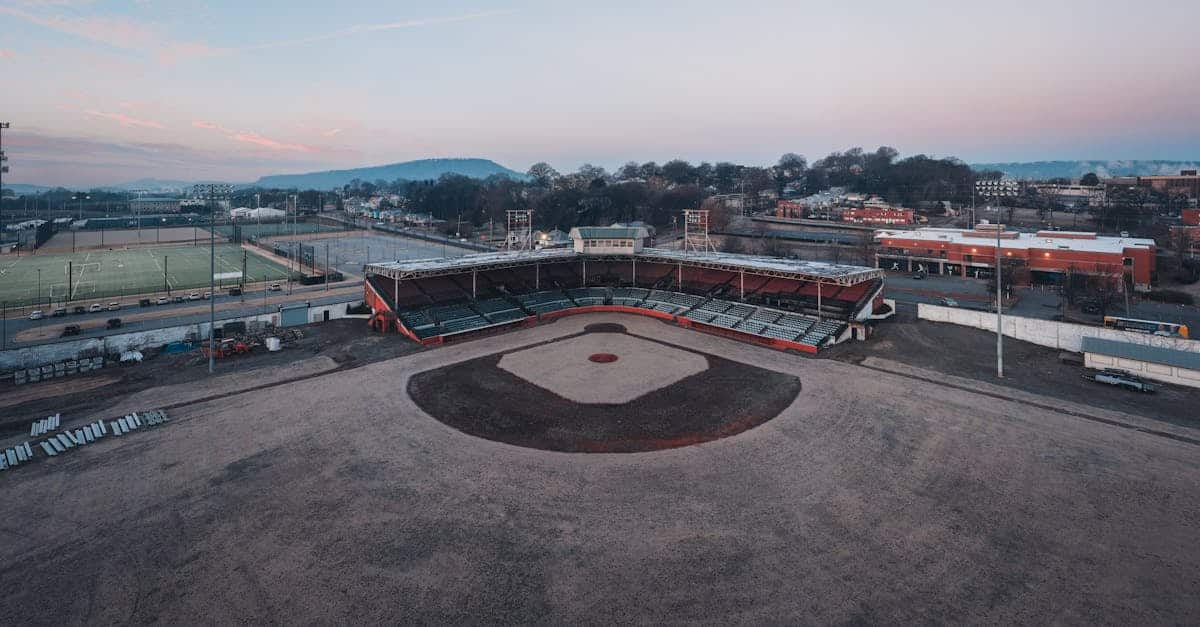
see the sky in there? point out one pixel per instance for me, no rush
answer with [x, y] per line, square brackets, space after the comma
[102, 92]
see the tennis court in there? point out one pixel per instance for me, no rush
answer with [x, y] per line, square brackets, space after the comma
[108, 274]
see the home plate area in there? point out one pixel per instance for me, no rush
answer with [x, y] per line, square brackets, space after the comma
[602, 391]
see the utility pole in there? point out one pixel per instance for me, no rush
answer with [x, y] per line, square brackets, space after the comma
[3, 169]
[999, 310]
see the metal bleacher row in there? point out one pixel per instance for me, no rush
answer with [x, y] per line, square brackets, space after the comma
[466, 314]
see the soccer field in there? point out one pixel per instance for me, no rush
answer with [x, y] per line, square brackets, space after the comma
[106, 274]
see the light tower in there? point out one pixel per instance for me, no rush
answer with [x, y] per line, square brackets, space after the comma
[520, 229]
[695, 232]
[210, 193]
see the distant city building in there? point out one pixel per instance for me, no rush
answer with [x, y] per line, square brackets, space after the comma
[878, 215]
[1186, 183]
[155, 205]
[1046, 255]
[1072, 195]
[261, 213]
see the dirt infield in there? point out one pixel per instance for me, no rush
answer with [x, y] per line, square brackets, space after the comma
[720, 399]
[871, 498]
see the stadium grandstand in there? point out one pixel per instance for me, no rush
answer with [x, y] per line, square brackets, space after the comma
[786, 304]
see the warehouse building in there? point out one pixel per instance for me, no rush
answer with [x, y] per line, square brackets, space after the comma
[1047, 256]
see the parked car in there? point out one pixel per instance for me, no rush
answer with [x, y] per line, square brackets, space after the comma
[114, 323]
[162, 300]
[275, 287]
[1121, 378]
[177, 299]
[36, 314]
[114, 306]
[70, 329]
[235, 291]
[207, 295]
[145, 302]
[59, 312]
[948, 302]
[79, 309]
[194, 296]
[96, 307]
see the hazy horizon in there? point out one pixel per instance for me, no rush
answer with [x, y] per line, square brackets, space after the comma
[106, 92]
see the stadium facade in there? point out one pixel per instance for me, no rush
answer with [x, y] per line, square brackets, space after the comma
[782, 303]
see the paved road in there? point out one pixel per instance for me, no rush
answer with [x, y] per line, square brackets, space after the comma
[25, 332]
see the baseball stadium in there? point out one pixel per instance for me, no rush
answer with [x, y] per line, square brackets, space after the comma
[784, 304]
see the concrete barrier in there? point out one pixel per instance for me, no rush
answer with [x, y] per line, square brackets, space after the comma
[1059, 335]
[34, 356]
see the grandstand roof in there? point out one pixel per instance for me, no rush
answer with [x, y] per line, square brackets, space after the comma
[769, 266]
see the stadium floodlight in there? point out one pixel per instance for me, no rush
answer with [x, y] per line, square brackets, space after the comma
[210, 192]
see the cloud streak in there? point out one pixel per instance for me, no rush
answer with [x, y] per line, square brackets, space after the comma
[371, 28]
[250, 137]
[150, 38]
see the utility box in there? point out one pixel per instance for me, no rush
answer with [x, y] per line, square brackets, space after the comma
[293, 315]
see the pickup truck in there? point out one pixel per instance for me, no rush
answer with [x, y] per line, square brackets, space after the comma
[1120, 378]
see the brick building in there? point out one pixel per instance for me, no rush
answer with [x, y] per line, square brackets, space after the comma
[1046, 256]
[872, 215]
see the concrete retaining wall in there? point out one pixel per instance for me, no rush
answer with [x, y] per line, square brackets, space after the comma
[34, 356]
[1145, 369]
[1060, 335]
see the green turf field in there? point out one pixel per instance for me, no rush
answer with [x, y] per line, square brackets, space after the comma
[111, 273]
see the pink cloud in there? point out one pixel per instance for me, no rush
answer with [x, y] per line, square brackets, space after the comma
[266, 142]
[212, 126]
[6, 54]
[331, 132]
[125, 120]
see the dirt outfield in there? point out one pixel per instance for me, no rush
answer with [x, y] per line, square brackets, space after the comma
[867, 500]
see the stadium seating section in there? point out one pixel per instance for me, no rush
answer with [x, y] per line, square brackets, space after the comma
[772, 307]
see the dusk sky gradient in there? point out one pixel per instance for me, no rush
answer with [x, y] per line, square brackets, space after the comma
[100, 92]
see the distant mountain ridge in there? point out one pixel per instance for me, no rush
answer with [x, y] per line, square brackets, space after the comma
[420, 170]
[1041, 170]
